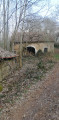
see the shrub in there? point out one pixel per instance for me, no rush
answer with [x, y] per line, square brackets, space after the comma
[41, 65]
[39, 53]
[56, 45]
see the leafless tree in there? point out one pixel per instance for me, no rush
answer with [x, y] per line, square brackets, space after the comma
[4, 20]
[49, 25]
[7, 26]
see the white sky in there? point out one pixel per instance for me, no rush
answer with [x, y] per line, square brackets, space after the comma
[49, 7]
[55, 2]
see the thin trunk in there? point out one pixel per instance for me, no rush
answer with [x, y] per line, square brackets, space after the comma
[16, 22]
[4, 17]
[0, 22]
[15, 32]
[25, 2]
[16, 15]
[7, 29]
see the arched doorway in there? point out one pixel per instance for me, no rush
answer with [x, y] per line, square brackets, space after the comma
[31, 50]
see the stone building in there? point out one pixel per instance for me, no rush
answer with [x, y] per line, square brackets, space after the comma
[32, 42]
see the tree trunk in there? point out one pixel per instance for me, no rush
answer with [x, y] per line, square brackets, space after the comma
[4, 17]
[7, 27]
[25, 3]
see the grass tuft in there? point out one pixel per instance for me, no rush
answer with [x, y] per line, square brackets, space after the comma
[56, 56]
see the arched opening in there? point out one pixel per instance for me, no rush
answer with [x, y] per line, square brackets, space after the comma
[45, 50]
[31, 50]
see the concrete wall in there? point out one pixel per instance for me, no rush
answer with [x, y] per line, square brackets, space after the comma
[37, 46]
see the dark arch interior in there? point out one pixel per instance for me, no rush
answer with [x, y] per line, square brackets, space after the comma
[31, 50]
[45, 50]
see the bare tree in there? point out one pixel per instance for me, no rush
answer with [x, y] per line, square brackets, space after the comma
[4, 20]
[7, 26]
[49, 25]
[22, 30]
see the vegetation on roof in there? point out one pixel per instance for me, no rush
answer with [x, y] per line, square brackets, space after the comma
[6, 54]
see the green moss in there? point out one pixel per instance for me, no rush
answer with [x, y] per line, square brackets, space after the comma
[56, 56]
[40, 65]
[1, 87]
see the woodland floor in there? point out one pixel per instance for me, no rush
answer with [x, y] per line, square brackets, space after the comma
[32, 93]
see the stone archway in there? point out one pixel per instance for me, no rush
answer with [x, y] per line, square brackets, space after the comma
[31, 49]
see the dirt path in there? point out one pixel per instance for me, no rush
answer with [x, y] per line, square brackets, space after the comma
[41, 102]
